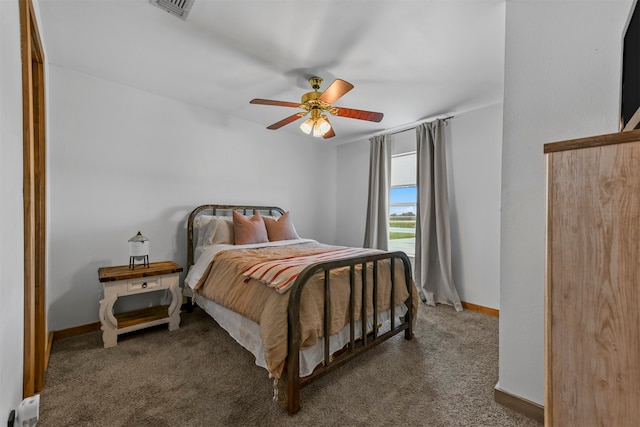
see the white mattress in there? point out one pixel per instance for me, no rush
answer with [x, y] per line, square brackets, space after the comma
[247, 333]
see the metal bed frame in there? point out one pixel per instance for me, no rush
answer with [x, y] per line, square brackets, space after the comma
[356, 346]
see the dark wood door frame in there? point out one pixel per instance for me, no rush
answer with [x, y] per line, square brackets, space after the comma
[34, 188]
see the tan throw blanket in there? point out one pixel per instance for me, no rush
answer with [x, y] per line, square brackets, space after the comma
[226, 286]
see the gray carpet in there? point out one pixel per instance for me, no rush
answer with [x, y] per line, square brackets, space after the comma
[199, 376]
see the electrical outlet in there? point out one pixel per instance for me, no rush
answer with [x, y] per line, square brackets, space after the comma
[27, 413]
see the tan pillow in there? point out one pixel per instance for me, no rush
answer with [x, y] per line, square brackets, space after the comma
[249, 230]
[281, 228]
[224, 231]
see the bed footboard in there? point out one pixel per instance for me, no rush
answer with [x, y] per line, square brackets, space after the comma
[356, 345]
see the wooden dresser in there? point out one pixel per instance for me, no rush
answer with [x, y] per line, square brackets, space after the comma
[592, 294]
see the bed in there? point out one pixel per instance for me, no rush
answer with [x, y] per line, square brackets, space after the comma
[279, 295]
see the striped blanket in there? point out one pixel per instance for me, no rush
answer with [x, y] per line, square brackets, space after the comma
[280, 274]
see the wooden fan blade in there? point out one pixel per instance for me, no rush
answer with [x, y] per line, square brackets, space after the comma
[276, 103]
[286, 121]
[335, 91]
[329, 134]
[357, 114]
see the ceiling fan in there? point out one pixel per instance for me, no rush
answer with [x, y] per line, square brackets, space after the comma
[316, 103]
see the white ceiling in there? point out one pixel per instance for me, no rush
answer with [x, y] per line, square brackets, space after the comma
[410, 59]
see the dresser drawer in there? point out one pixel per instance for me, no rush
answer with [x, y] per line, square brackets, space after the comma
[144, 285]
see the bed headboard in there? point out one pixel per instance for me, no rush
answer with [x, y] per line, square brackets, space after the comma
[223, 210]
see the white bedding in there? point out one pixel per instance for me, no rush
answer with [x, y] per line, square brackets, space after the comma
[247, 333]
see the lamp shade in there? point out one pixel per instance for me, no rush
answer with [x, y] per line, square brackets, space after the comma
[307, 126]
[138, 250]
[321, 126]
[138, 246]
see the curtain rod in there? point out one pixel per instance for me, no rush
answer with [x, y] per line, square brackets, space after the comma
[447, 116]
[413, 125]
[417, 124]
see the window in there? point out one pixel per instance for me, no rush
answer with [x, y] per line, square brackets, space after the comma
[403, 203]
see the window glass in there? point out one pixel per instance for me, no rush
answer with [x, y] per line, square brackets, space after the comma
[402, 215]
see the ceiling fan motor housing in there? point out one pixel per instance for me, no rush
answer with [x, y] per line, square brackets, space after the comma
[310, 96]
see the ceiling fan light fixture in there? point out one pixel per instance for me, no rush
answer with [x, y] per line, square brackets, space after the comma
[307, 126]
[321, 127]
[316, 130]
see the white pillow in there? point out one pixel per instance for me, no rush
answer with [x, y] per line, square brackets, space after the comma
[210, 229]
[204, 229]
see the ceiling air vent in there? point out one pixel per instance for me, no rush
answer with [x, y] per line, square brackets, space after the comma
[179, 8]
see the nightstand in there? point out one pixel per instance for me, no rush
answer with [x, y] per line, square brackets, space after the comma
[122, 281]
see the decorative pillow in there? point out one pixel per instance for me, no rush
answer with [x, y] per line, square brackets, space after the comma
[205, 228]
[281, 228]
[224, 231]
[249, 230]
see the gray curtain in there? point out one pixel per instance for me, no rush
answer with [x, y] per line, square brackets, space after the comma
[433, 238]
[376, 233]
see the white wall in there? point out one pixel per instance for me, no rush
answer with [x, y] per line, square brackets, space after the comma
[473, 167]
[11, 221]
[353, 179]
[562, 81]
[123, 160]
[473, 162]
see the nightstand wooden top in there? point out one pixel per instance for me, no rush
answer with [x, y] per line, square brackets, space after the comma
[123, 272]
